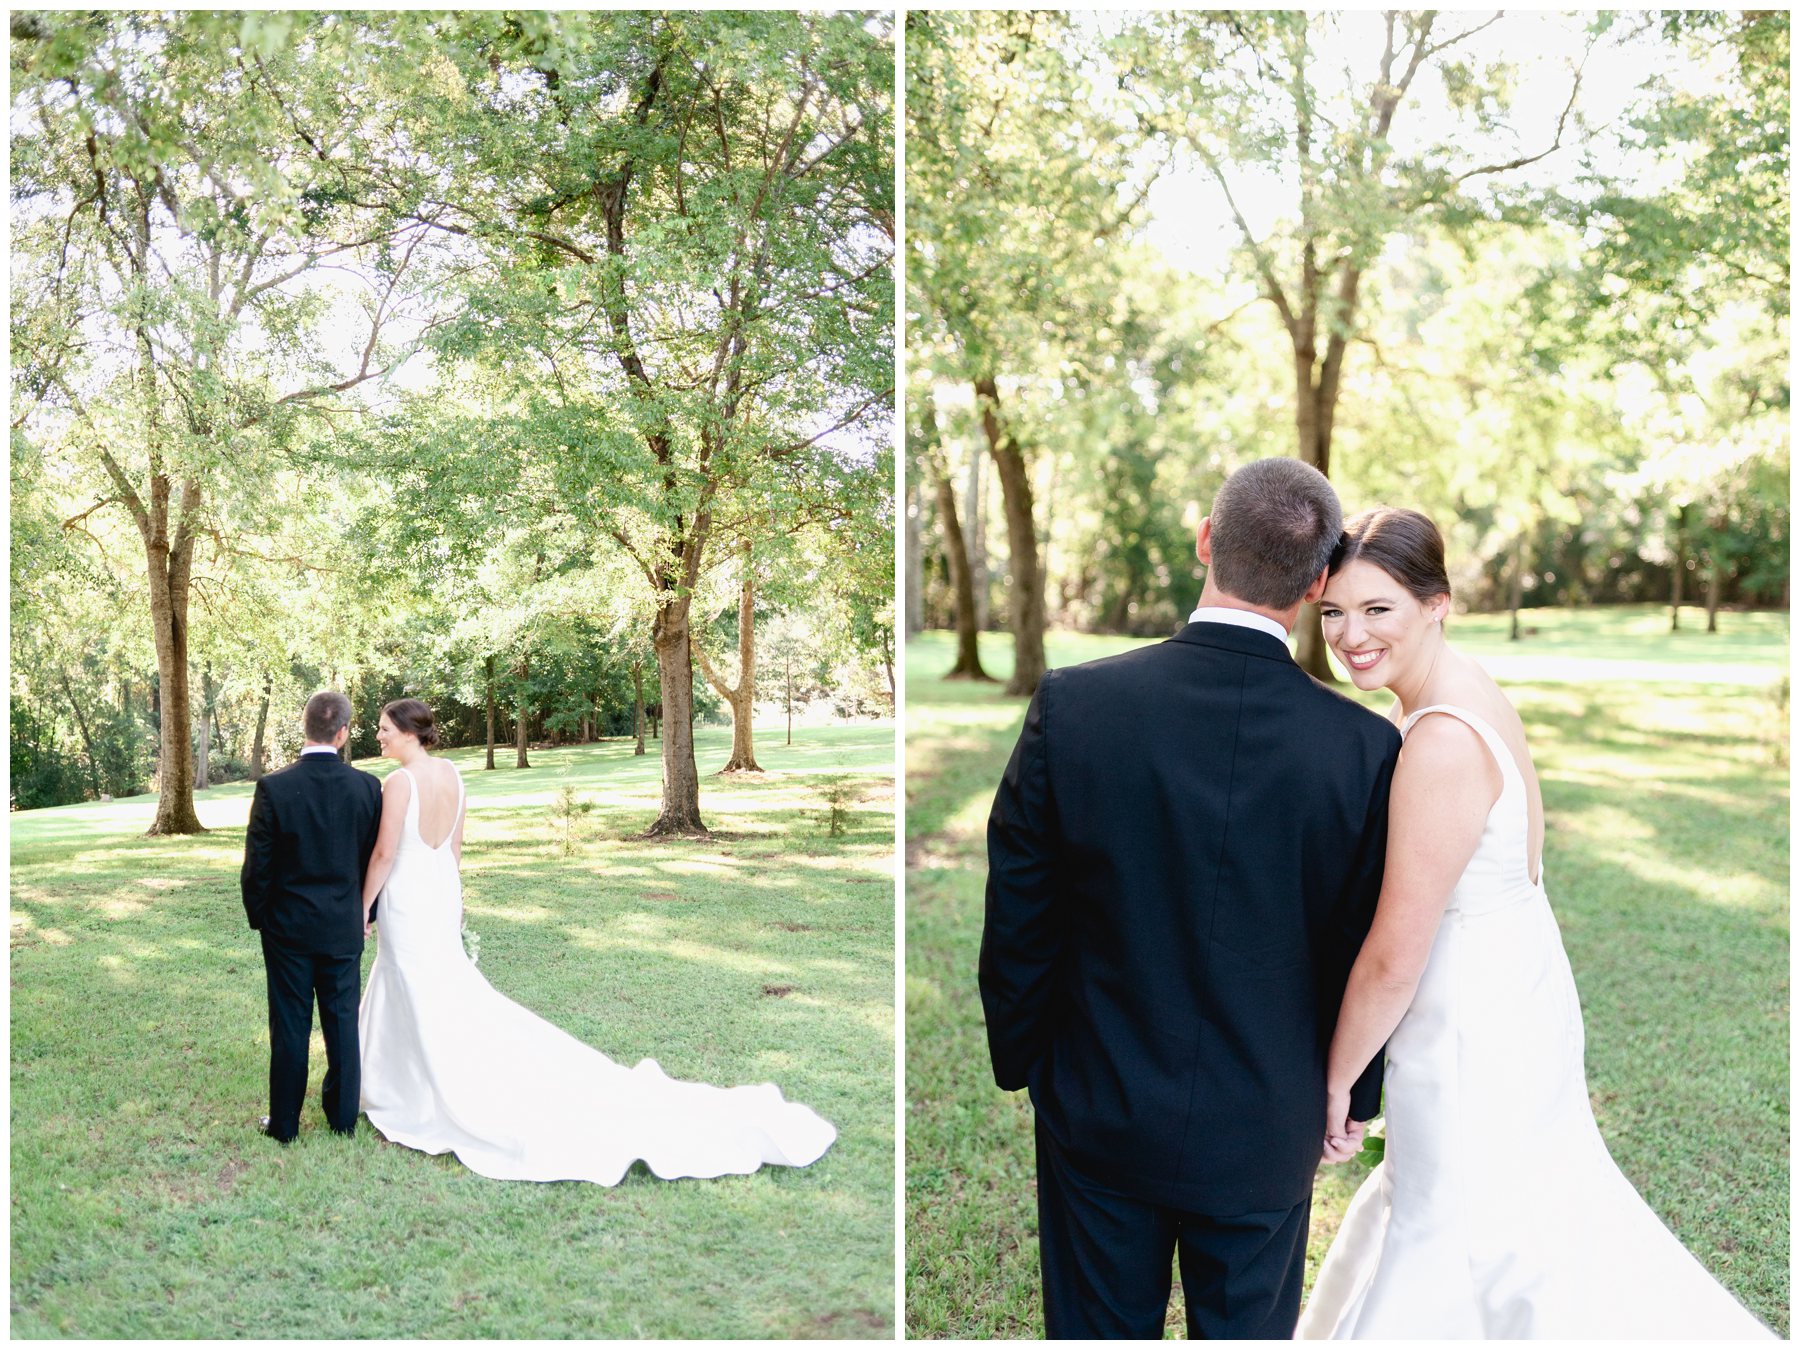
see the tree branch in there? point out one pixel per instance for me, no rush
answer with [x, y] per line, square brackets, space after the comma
[1555, 145]
[797, 446]
[73, 521]
[1264, 264]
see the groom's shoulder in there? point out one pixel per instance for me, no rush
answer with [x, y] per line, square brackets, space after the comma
[1107, 673]
[278, 779]
[1356, 718]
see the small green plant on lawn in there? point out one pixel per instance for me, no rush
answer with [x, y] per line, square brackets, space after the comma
[840, 795]
[567, 810]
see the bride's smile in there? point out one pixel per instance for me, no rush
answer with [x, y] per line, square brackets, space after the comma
[1385, 637]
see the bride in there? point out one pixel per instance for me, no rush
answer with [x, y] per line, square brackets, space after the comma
[1497, 1211]
[451, 1064]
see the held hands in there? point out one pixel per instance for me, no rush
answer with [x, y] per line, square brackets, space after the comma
[1343, 1136]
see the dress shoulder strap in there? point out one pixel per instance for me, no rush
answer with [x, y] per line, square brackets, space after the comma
[1496, 744]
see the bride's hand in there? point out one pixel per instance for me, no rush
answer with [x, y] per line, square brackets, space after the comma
[1343, 1136]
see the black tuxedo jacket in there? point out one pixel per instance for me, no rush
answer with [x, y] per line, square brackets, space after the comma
[312, 829]
[1183, 860]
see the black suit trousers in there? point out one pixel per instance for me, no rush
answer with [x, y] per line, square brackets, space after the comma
[296, 978]
[1106, 1258]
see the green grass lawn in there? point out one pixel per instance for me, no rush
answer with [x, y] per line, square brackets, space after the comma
[145, 1204]
[1663, 763]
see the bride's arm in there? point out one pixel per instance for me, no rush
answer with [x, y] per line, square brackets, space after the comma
[394, 792]
[1438, 809]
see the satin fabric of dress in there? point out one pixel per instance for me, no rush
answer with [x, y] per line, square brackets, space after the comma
[449, 1064]
[1497, 1211]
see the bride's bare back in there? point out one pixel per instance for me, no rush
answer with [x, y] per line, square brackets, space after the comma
[440, 801]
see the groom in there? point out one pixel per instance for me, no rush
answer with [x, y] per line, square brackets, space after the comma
[312, 829]
[1183, 859]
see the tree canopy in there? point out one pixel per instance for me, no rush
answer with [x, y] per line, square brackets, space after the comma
[1533, 283]
[433, 353]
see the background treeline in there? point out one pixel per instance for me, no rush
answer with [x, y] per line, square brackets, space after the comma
[1582, 375]
[520, 362]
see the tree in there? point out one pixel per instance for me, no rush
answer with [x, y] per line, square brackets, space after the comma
[1014, 182]
[177, 177]
[685, 219]
[741, 696]
[929, 456]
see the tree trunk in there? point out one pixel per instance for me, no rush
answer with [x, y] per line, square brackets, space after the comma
[975, 516]
[1678, 570]
[523, 719]
[637, 698]
[1715, 586]
[968, 627]
[790, 698]
[1312, 429]
[169, 575]
[1316, 386]
[1518, 583]
[741, 698]
[490, 712]
[915, 563]
[1027, 599]
[349, 693]
[680, 813]
[1048, 497]
[259, 751]
[203, 761]
[87, 741]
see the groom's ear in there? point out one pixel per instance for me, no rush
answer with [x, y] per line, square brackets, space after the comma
[1317, 589]
[1203, 542]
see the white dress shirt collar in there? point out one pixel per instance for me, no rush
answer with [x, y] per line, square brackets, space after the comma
[1240, 618]
[320, 750]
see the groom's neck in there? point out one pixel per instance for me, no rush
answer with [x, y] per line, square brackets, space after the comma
[1212, 597]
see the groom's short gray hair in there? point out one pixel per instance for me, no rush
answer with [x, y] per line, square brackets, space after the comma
[327, 713]
[1275, 524]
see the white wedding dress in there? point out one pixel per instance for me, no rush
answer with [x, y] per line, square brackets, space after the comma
[451, 1064]
[1497, 1212]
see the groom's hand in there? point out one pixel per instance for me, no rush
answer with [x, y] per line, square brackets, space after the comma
[1347, 1145]
[1343, 1136]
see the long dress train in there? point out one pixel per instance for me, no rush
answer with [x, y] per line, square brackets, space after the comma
[451, 1064]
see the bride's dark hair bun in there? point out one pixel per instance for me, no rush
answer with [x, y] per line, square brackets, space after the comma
[409, 714]
[1402, 543]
